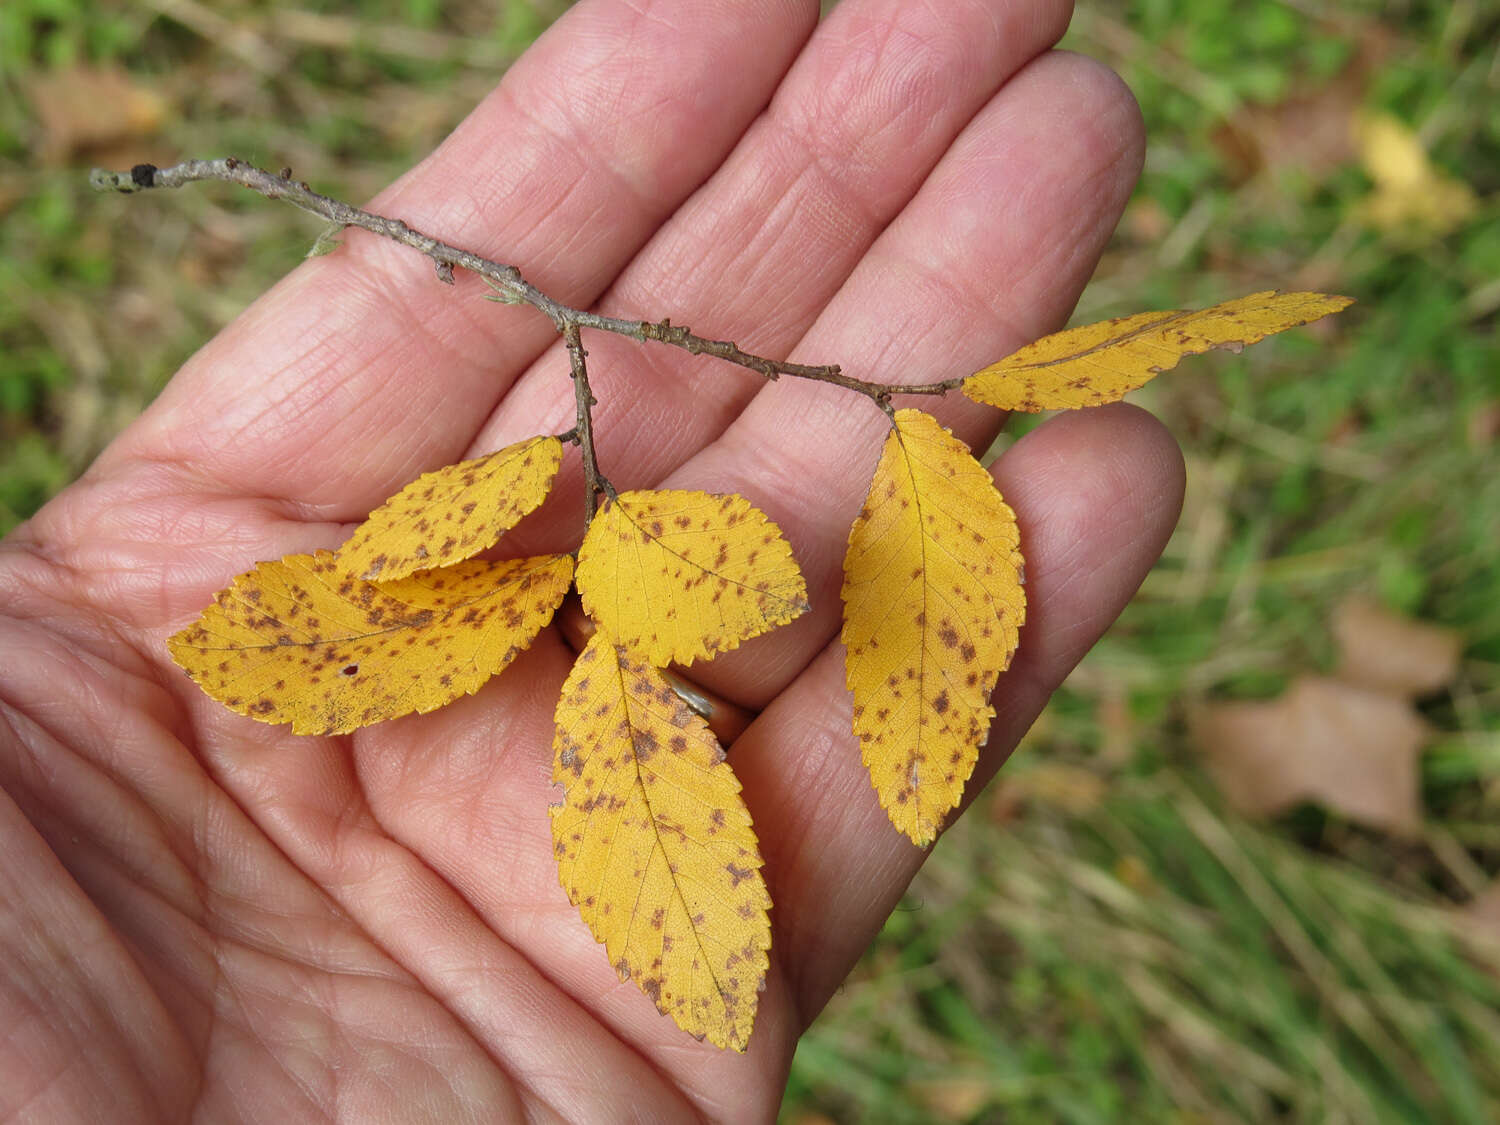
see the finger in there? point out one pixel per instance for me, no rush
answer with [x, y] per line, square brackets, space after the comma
[465, 780]
[361, 369]
[188, 903]
[991, 253]
[480, 770]
[308, 796]
[1097, 493]
[867, 111]
[467, 790]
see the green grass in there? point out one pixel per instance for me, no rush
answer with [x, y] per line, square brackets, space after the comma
[1153, 957]
[99, 302]
[1111, 943]
[1153, 960]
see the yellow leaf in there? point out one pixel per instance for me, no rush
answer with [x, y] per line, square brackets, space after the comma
[654, 845]
[1409, 191]
[297, 642]
[933, 603]
[677, 576]
[452, 514]
[1102, 362]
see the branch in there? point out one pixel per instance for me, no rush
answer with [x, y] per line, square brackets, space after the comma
[506, 280]
[592, 481]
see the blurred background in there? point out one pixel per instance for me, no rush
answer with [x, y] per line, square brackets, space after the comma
[1244, 868]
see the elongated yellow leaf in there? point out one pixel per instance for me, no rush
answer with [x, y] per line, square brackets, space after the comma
[295, 641]
[677, 576]
[452, 514]
[933, 602]
[1102, 362]
[654, 845]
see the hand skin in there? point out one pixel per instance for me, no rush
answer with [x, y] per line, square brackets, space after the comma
[203, 917]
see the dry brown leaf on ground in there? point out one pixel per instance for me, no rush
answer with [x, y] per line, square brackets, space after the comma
[1117, 727]
[1057, 785]
[1352, 750]
[1312, 131]
[810, 1117]
[955, 1098]
[85, 107]
[1389, 653]
[1135, 873]
[1483, 911]
[1482, 429]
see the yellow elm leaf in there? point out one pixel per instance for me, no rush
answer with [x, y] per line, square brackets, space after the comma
[933, 602]
[1409, 191]
[677, 576]
[452, 514]
[296, 641]
[654, 845]
[1102, 362]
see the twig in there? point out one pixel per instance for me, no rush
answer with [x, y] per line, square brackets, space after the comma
[506, 280]
[592, 481]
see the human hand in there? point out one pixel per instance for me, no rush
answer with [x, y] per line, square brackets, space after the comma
[204, 915]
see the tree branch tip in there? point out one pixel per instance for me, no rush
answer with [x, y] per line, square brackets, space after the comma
[102, 180]
[506, 283]
[140, 177]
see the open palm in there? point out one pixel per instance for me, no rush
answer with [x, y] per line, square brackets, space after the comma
[202, 916]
